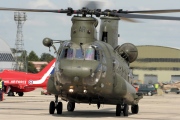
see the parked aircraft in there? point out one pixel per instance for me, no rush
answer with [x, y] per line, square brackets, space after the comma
[20, 82]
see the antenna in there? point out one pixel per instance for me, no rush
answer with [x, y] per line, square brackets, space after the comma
[20, 53]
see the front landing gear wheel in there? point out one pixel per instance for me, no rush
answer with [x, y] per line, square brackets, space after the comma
[125, 110]
[51, 107]
[59, 108]
[71, 106]
[118, 110]
[135, 109]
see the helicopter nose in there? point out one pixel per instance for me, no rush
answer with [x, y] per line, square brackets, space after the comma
[78, 68]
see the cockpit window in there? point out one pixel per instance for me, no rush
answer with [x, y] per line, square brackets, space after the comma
[92, 54]
[67, 53]
[89, 55]
[79, 54]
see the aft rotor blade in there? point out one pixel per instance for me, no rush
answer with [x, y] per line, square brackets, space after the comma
[146, 16]
[153, 11]
[33, 10]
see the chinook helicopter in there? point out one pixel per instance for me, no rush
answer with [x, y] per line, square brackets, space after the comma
[95, 70]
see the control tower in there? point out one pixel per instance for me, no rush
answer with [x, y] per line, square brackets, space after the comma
[19, 52]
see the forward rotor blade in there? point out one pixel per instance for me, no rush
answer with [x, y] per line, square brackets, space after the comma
[129, 20]
[146, 16]
[154, 11]
[33, 10]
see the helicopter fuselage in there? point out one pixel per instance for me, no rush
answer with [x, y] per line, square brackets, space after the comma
[88, 70]
[91, 74]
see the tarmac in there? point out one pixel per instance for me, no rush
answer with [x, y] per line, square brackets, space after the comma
[34, 106]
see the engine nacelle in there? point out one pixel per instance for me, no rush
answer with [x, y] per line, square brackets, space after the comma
[128, 51]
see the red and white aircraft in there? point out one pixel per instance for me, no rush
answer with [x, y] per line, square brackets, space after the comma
[20, 82]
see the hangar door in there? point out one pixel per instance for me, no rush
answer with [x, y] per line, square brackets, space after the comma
[175, 77]
[150, 79]
[135, 77]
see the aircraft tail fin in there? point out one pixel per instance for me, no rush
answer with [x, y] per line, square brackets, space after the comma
[49, 68]
[45, 73]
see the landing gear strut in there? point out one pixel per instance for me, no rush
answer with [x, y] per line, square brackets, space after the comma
[55, 105]
[98, 105]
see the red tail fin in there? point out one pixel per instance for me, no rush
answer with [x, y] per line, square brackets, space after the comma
[43, 71]
[44, 75]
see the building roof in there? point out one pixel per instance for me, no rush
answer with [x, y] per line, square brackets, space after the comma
[149, 51]
[38, 64]
[157, 57]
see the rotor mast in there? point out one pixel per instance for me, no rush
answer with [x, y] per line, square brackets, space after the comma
[83, 29]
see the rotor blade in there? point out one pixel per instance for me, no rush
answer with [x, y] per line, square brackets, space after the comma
[146, 16]
[153, 11]
[129, 20]
[33, 10]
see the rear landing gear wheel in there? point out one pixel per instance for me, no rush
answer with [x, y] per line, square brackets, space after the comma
[134, 109]
[71, 106]
[118, 110]
[125, 110]
[10, 93]
[51, 107]
[59, 108]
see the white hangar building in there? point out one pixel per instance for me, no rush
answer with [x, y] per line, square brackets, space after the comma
[6, 56]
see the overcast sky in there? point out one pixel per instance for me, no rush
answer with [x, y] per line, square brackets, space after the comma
[57, 26]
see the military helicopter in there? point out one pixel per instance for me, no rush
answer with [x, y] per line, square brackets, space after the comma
[95, 70]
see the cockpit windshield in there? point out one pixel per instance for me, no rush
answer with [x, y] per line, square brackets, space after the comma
[78, 53]
[92, 54]
[67, 53]
[89, 54]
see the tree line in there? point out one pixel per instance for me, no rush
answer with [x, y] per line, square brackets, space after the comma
[46, 57]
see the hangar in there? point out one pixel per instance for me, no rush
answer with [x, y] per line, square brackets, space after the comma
[156, 64]
[6, 56]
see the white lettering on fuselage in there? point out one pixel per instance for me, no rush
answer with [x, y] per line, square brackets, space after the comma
[14, 81]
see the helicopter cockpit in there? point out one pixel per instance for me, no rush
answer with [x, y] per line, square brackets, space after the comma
[78, 53]
[88, 70]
